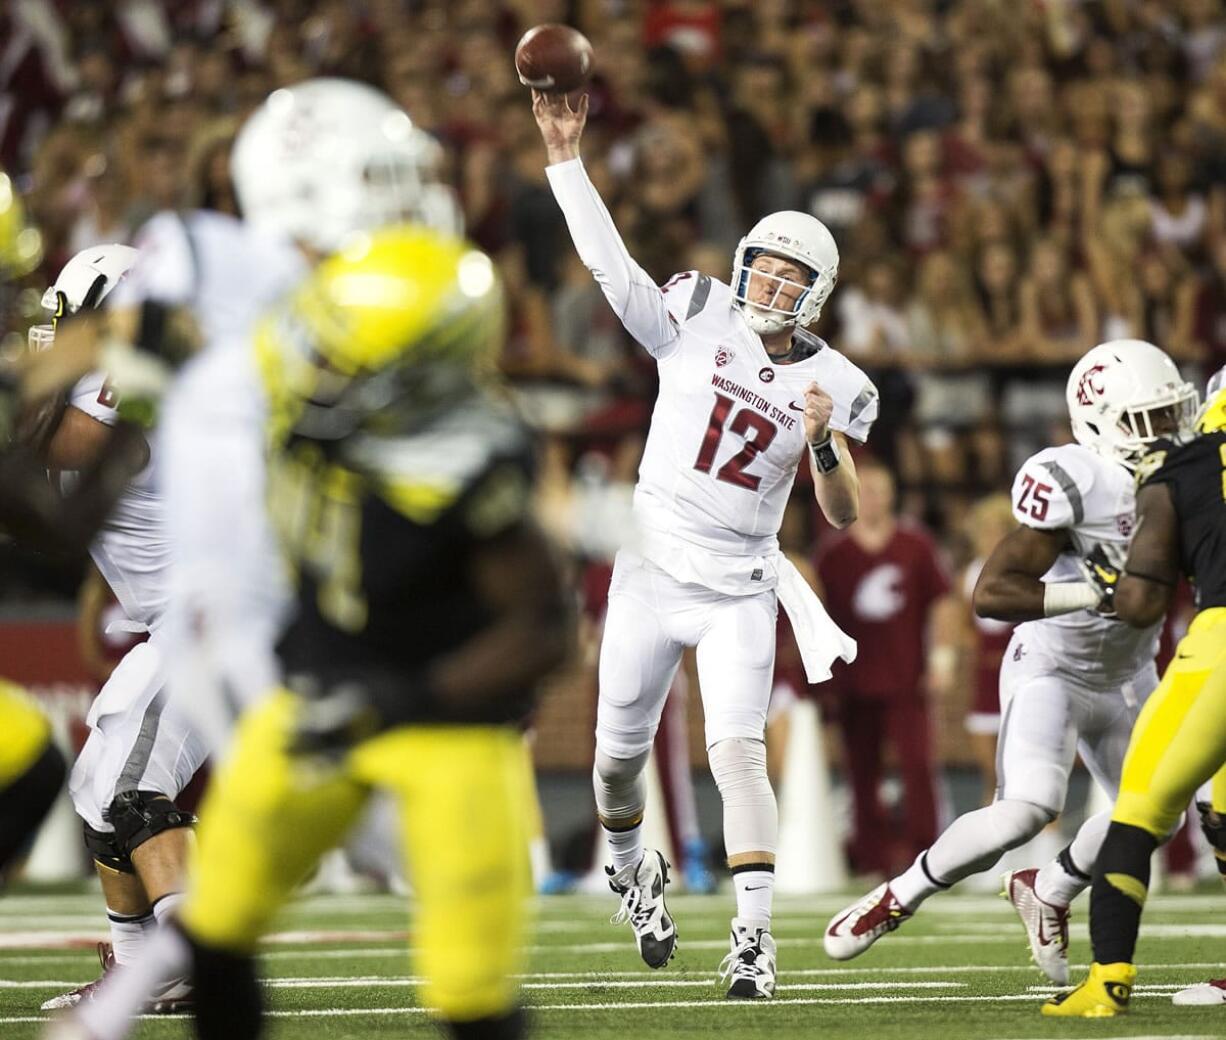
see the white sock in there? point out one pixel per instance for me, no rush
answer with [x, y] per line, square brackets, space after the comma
[166, 905]
[915, 884]
[108, 1016]
[755, 893]
[127, 933]
[973, 842]
[1064, 878]
[626, 847]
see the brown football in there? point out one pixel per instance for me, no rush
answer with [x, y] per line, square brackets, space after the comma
[553, 58]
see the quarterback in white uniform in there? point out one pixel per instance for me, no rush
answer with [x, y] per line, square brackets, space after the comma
[1073, 677]
[141, 751]
[746, 396]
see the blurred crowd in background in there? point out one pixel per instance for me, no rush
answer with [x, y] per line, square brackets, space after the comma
[1008, 182]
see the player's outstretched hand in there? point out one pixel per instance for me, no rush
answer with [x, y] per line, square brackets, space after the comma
[819, 406]
[561, 125]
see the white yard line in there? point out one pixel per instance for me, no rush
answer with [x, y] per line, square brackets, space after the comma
[727, 1005]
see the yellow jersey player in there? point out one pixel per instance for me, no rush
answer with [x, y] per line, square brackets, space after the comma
[1179, 740]
[428, 607]
[31, 771]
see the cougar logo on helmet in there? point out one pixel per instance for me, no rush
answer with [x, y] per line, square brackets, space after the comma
[1091, 383]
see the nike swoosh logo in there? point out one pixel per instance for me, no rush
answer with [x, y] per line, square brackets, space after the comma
[796, 407]
[755, 888]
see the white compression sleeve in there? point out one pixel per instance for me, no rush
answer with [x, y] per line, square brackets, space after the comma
[751, 817]
[634, 297]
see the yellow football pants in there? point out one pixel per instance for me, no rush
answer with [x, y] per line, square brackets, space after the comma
[463, 800]
[24, 732]
[1179, 740]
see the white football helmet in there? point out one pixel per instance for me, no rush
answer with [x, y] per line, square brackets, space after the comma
[326, 158]
[795, 236]
[84, 282]
[1125, 393]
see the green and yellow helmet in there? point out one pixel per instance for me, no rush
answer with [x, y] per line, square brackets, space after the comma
[1212, 415]
[384, 324]
[21, 245]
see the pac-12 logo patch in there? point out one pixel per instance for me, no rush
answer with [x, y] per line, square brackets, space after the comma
[767, 374]
[1090, 385]
[723, 356]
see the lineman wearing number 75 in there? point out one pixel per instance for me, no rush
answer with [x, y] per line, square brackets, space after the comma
[1074, 676]
[746, 396]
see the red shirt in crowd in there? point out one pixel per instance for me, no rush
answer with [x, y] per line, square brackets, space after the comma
[882, 600]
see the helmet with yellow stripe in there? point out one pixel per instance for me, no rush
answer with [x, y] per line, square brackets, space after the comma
[1212, 416]
[394, 323]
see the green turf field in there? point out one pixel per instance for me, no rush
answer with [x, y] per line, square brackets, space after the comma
[337, 969]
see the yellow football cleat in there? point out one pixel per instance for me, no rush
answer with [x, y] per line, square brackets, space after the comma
[1103, 995]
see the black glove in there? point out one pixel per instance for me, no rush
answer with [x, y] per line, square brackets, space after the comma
[1214, 828]
[1104, 576]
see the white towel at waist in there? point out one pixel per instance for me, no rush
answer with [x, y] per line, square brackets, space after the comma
[819, 639]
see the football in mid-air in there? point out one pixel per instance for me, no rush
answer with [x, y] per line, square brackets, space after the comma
[553, 58]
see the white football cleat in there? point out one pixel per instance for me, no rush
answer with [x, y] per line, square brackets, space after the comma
[1203, 994]
[1046, 925]
[750, 963]
[641, 887]
[855, 928]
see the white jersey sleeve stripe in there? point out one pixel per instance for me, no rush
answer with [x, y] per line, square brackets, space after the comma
[635, 298]
[702, 291]
[1069, 486]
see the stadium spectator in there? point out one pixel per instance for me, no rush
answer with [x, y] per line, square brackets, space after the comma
[886, 587]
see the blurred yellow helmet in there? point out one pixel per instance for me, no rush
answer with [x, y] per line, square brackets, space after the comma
[1212, 415]
[21, 245]
[357, 335]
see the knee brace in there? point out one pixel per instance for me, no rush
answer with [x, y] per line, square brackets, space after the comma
[751, 817]
[106, 850]
[138, 816]
[619, 788]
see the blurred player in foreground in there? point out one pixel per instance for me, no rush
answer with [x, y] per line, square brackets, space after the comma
[1180, 739]
[428, 606]
[746, 395]
[1074, 677]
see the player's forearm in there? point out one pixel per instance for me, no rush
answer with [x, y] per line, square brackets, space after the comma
[634, 297]
[837, 493]
[514, 653]
[1140, 602]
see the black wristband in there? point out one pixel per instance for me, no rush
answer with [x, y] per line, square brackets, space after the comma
[826, 454]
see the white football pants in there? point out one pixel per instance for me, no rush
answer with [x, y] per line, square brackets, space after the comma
[1049, 713]
[651, 619]
[138, 739]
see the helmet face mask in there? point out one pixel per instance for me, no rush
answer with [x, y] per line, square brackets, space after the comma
[1125, 394]
[796, 237]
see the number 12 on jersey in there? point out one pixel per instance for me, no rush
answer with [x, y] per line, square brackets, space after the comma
[757, 430]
